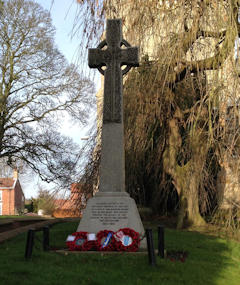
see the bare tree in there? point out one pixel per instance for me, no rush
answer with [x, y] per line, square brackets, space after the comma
[37, 88]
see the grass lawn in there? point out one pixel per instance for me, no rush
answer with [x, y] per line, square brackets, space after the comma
[210, 260]
[16, 217]
[8, 219]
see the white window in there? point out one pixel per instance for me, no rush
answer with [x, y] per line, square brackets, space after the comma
[0, 195]
[0, 208]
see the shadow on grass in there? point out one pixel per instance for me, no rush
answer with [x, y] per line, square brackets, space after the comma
[210, 261]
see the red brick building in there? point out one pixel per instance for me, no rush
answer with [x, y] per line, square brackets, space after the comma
[11, 196]
[73, 206]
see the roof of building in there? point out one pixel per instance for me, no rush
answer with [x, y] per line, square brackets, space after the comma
[66, 204]
[79, 187]
[7, 182]
[75, 187]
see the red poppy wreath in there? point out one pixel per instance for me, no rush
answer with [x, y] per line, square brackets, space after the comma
[91, 243]
[106, 241]
[127, 240]
[76, 241]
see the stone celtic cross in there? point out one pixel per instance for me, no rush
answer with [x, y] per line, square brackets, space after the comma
[112, 208]
[113, 58]
[110, 53]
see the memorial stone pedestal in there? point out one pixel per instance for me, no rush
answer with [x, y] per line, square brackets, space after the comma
[111, 211]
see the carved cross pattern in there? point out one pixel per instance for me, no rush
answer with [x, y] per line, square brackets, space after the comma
[113, 58]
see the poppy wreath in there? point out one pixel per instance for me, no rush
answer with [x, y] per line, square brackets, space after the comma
[107, 237]
[79, 241]
[90, 245]
[133, 239]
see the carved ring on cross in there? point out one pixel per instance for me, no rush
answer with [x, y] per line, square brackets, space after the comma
[123, 43]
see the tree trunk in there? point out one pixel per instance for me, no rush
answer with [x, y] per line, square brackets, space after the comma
[189, 214]
[186, 178]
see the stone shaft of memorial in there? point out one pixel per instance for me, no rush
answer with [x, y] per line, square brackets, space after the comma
[112, 166]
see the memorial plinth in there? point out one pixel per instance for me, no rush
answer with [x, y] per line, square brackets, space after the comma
[111, 211]
[112, 208]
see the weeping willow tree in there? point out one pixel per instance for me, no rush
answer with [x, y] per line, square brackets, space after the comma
[178, 137]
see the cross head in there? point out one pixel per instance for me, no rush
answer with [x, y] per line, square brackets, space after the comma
[110, 53]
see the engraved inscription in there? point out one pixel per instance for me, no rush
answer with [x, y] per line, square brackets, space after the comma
[109, 213]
